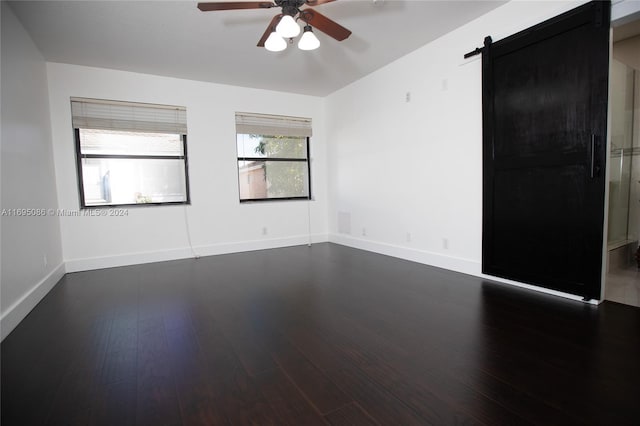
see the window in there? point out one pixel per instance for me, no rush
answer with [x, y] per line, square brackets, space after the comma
[273, 157]
[129, 153]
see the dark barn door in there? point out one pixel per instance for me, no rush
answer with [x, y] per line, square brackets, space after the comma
[544, 141]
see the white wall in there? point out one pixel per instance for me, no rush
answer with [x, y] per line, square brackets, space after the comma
[28, 178]
[401, 168]
[623, 11]
[218, 222]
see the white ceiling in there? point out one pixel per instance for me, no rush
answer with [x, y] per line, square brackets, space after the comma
[176, 39]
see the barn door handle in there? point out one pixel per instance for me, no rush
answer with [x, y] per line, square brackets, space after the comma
[593, 155]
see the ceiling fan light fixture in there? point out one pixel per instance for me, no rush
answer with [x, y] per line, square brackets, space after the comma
[287, 27]
[275, 43]
[308, 41]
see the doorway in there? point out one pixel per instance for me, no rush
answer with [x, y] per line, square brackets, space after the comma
[622, 281]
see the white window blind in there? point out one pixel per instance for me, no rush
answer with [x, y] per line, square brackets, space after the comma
[272, 125]
[128, 116]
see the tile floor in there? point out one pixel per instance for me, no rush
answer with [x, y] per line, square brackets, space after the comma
[623, 285]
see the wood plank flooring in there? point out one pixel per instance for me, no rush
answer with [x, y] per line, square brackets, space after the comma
[321, 335]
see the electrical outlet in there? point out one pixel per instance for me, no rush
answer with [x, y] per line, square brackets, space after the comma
[45, 261]
[408, 237]
[407, 97]
[364, 232]
[445, 243]
[264, 230]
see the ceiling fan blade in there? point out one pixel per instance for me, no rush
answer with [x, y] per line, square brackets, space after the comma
[271, 28]
[324, 24]
[230, 5]
[317, 2]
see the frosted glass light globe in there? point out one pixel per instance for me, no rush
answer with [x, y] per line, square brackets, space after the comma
[308, 41]
[287, 27]
[275, 43]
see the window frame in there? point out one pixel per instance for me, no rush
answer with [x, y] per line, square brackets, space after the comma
[80, 157]
[283, 159]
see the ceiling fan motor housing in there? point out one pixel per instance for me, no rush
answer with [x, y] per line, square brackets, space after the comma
[290, 7]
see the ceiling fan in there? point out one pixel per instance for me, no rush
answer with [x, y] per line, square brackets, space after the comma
[283, 26]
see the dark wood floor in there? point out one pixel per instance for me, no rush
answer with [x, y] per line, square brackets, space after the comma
[314, 336]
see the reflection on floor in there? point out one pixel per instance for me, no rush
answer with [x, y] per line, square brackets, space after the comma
[623, 285]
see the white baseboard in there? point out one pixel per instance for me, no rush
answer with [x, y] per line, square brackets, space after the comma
[456, 264]
[21, 308]
[88, 264]
[91, 263]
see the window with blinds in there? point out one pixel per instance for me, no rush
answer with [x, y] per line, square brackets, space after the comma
[273, 157]
[130, 153]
